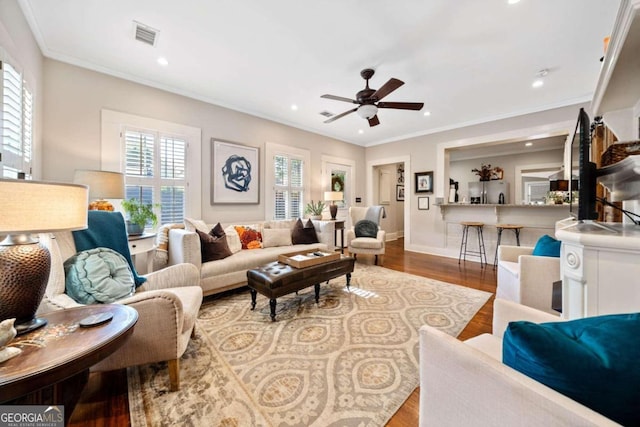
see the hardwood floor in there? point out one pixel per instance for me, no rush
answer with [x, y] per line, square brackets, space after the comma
[104, 401]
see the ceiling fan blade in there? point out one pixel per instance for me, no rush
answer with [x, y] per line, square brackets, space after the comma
[339, 98]
[387, 88]
[373, 121]
[402, 105]
[339, 116]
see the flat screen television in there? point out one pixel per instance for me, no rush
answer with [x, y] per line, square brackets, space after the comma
[587, 180]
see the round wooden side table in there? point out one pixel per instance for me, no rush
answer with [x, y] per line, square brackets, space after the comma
[55, 360]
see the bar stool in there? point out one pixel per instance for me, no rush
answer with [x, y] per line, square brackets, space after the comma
[500, 227]
[481, 252]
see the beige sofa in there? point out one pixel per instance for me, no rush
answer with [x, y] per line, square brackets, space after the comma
[466, 383]
[231, 272]
[167, 305]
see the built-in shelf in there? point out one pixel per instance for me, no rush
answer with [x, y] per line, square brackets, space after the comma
[622, 179]
[618, 86]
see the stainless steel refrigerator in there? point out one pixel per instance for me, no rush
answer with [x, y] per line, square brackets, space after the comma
[489, 192]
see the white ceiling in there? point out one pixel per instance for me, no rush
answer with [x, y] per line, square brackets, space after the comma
[469, 61]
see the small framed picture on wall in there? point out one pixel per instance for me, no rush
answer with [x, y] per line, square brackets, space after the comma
[423, 203]
[424, 182]
[400, 193]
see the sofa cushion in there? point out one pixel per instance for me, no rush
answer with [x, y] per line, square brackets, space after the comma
[365, 228]
[250, 237]
[304, 234]
[213, 246]
[366, 243]
[547, 246]
[99, 275]
[276, 237]
[233, 239]
[191, 224]
[593, 360]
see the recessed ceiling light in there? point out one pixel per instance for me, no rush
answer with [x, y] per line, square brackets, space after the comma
[294, 107]
[360, 131]
[163, 61]
[528, 144]
[513, 1]
[537, 83]
[427, 113]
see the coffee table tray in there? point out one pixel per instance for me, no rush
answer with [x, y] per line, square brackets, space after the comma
[301, 259]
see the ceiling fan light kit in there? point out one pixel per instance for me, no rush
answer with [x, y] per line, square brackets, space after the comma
[367, 111]
[368, 100]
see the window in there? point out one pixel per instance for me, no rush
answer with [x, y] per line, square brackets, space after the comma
[16, 149]
[161, 161]
[287, 181]
[288, 188]
[155, 171]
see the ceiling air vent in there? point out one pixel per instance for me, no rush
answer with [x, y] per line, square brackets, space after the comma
[326, 113]
[145, 34]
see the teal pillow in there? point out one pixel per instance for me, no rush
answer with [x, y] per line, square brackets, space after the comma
[99, 275]
[547, 246]
[593, 361]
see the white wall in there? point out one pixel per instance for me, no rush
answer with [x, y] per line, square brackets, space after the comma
[75, 96]
[21, 49]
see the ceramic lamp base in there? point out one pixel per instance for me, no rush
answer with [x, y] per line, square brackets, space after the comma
[333, 209]
[24, 274]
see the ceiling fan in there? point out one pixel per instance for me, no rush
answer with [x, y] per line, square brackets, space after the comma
[368, 100]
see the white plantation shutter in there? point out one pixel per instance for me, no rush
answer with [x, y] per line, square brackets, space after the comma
[173, 156]
[27, 128]
[16, 147]
[11, 110]
[288, 186]
[155, 172]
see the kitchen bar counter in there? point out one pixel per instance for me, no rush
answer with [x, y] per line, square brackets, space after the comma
[545, 215]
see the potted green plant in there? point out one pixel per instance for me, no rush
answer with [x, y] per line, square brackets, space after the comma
[138, 215]
[314, 210]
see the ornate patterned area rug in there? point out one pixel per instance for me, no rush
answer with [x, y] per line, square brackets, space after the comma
[352, 359]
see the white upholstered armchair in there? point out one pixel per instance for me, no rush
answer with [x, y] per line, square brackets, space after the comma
[527, 279]
[167, 305]
[366, 245]
[466, 383]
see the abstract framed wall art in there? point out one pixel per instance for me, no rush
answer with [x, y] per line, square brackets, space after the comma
[235, 173]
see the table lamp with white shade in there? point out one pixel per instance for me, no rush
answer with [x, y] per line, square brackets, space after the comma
[333, 196]
[102, 185]
[27, 208]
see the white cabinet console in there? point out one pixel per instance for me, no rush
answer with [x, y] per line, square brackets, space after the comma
[600, 269]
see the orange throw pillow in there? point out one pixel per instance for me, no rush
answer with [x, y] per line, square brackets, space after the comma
[250, 238]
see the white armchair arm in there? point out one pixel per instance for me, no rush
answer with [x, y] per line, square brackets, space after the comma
[184, 247]
[349, 235]
[537, 274]
[511, 253]
[325, 230]
[505, 311]
[174, 276]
